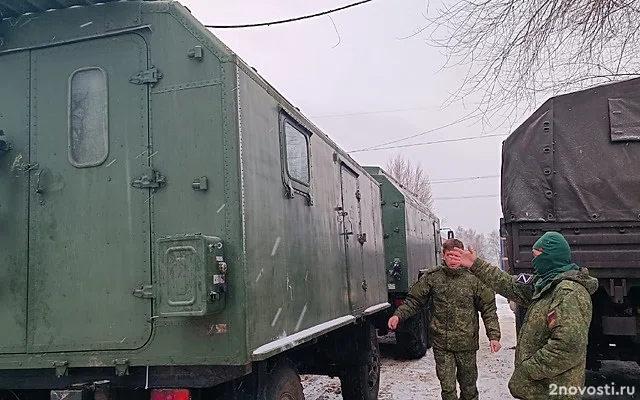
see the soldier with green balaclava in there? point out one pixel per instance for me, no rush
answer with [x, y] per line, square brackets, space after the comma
[552, 343]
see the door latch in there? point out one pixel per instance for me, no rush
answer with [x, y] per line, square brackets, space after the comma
[150, 180]
[144, 292]
[149, 76]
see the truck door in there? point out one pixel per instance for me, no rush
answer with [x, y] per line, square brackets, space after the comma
[88, 226]
[14, 203]
[351, 228]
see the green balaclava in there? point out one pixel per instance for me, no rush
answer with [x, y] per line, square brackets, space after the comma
[554, 260]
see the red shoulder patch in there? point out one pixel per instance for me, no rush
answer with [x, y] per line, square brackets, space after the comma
[551, 319]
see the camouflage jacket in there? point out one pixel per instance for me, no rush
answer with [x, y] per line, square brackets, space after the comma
[552, 342]
[457, 298]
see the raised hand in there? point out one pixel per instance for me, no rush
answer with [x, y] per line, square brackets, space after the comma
[465, 258]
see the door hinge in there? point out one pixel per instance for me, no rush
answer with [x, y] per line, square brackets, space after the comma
[144, 292]
[152, 75]
[150, 180]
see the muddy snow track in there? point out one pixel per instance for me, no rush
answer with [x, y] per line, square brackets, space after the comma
[416, 379]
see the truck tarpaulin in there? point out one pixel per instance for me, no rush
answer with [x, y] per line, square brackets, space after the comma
[576, 158]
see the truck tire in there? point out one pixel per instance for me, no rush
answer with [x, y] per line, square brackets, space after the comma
[283, 382]
[413, 340]
[362, 382]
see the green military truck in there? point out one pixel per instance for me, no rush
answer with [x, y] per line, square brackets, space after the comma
[412, 243]
[172, 227]
[573, 167]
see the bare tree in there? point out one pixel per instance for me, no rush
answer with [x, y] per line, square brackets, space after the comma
[487, 245]
[411, 178]
[516, 51]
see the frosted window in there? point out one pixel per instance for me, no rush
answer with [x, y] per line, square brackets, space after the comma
[88, 132]
[297, 154]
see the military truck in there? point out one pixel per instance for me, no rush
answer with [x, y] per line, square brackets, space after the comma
[172, 227]
[411, 245]
[573, 167]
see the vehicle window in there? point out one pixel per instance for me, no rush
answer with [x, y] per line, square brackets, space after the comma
[297, 151]
[88, 108]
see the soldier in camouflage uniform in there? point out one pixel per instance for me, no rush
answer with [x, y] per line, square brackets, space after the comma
[457, 298]
[552, 342]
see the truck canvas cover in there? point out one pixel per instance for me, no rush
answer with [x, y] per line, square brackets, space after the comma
[576, 158]
[14, 8]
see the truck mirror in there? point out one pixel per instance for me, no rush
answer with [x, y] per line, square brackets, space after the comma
[450, 235]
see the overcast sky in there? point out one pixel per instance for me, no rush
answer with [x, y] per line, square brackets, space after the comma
[368, 72]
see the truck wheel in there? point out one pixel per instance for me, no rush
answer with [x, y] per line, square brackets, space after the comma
[413, 340]
[362, 382]
[283, 382]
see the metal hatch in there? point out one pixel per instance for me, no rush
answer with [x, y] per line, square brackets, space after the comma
[15, 8]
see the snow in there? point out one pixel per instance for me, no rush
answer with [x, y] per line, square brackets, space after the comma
[303, 336]
[376, 308]
[416, 379]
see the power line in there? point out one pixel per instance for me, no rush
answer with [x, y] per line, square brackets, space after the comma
[432, 142]
[482, 196]
[455, 180]
[460, 120]
[284, 21]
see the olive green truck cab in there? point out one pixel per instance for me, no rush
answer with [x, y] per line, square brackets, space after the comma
[171, 226]
[412, 244]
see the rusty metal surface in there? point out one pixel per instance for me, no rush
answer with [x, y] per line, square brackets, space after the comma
[14, 8]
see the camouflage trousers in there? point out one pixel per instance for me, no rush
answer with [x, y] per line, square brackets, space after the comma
[461, 365]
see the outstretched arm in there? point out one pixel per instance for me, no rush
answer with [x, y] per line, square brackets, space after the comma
[513, 288]
[520, 291]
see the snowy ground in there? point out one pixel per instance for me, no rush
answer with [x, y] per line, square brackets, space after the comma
[416, 380]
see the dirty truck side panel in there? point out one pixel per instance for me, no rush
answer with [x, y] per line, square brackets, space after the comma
[351, 221]
[284, 267]
[395, 233]
[195, 146]
[97, 240]
[87, 125]
[373, 248]
[296, 256]
[193, 134]
[422, 231]
[410, 234]
[14, 203]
